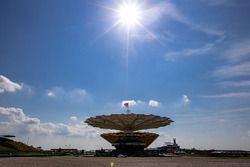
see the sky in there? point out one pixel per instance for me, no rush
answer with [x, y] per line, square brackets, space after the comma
[63, 61]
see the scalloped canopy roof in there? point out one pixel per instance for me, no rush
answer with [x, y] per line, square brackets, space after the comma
[128, 122]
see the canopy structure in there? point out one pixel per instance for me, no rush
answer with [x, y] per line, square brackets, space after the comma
[132, 140]
[128, 122]
[129, 141]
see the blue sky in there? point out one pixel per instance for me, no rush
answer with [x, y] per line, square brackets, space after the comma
[62, 61]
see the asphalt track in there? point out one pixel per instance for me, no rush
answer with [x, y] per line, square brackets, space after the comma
[123, 162]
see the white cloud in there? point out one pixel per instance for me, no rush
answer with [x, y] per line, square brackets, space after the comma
[16, 116]
[165, 36]
[238, 58]
[233, 110]
[140, 103]
[73, 118]
[229, 95]
[203, 50]
[15, 121]
[56, 92]
[159, 10]
[242, 83]
[75, 95]
[168, 11]
[237, 67]
[130, 103]
[207, 48]
[238, 52]
[6, 85]
[230, 71]
[79, 95]
[185, 99]
[153, 103]
[248, 133]
[51, 94]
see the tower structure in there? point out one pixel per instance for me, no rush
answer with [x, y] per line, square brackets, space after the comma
[129, 139]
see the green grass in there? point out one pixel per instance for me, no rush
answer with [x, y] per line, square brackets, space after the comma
[4, 149]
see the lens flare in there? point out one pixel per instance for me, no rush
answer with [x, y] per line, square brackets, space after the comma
[129, 14]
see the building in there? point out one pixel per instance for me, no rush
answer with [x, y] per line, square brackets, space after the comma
[169, 148]
[65, 151]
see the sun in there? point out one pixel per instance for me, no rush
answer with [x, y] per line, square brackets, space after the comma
[129, 14]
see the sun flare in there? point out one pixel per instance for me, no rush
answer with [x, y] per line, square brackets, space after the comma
[129, 14]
